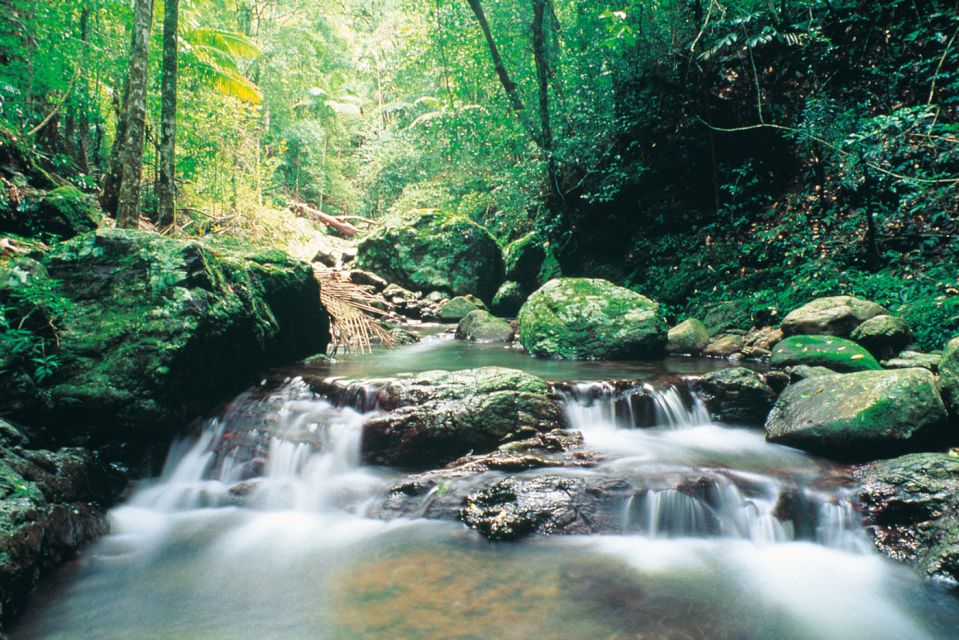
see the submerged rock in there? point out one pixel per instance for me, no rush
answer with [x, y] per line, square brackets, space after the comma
[832, 316]
[590, 319]
[949, 376]
[860, 415]
[688, 337]
[834, 353]
[738, 395]
[143, 320]
[438, 416]
[430, 250]
[912, 506]
[883, 336]
[483, 326]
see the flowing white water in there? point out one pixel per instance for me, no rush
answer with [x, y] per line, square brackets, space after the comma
[257, 528]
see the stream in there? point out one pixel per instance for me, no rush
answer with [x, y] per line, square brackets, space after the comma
[284, 545]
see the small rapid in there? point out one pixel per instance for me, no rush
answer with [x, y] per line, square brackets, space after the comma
[262, 524]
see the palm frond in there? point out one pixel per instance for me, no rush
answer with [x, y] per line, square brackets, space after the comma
[354, 317]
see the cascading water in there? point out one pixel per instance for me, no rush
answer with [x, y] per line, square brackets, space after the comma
[259, 527]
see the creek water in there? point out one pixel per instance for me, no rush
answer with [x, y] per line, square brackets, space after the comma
[259, 527]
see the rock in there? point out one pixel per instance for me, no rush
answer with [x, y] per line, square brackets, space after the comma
[949, 376]
[51, 504]
[802, 371]
[141, 322]
[911, 504]
[591, 319]
[860, 416]
[909, 359]
[434, 251]
[402, 337]
[837, 354]
[438, 416]
[758, 343]
[509, 299]
[63, 213]
[483, 326]
[738, 395]
[530, 262]
[326, 258]
[724, 346]
[688, 337]
[721, 317]
[833, 316]
[883, 336]
[458, 308]
[368, 279]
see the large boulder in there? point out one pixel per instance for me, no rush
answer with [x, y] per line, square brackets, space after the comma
[51, 504]
[591, 319]
[457, 308]
[435, 417]
[833, 316]
[509, 299]
[883, 336]
[530, 261]
[912, 507]
[738, 395]
[837, 354]
[860, 415]
[483, 326]
[949, 376]
[434, 251]
[689, 337]
[138, 322]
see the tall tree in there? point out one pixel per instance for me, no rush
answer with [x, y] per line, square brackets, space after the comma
[542, 83]
[133, 115]
[166, 194]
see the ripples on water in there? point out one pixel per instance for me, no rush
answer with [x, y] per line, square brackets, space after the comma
[256, 528]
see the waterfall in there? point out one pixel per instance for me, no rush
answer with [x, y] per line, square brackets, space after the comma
[592, 404]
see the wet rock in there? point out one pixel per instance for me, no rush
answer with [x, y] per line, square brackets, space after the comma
[883, 336]
[860, 416]
[949, 376]
[911, 504]
[143, 320]
[838, 354]
[758, 343]
[483, 326]
[591, 319]
[530, 262]
[509, 299]
[723, 317]
[402, 337]
[365, 278]
[738, 395]
[724, 346]
[688, 337]
[326, 258]
[433, 250]
[803, 371]
[832, 316]
[910, 359]
[457, 308]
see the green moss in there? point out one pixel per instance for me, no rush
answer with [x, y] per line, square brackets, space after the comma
[835, 353]
[483, 326]
[949, 376]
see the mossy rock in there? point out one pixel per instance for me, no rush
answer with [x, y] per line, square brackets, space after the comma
[509, 299]
[591, 319]
[434, 251]
[483, 326]
[457, 308]
[949, 376]
[721, 317]
[738, 395]
[831, 316]
[690, 337]
[530, 261]
[837, 354]
[155, 332]
[62, 213]
[860, 416]
[883, 336]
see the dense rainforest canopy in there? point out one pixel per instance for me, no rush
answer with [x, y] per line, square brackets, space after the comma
[697, 151]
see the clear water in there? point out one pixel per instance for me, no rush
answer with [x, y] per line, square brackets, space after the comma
[257, 528]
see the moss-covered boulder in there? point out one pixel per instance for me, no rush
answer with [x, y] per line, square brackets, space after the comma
[832, 316]
[483, 326]
[861, 415]
[738, 395]
[591, 319]
[457, 308]
[910, 359]
[837, 354]
[883, 336]
[949, 376]
[689, 337]
[530, 261]
[434, 251]
[725, 316]
[912, 507]
[150, 332]
[509, 299]
[438, 416]
[61, 213]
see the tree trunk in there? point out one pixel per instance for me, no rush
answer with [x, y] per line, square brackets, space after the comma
[134, 114]
[166, 192]
[345, 228]
[542, 78]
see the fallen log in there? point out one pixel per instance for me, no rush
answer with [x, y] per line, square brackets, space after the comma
[345, 228]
